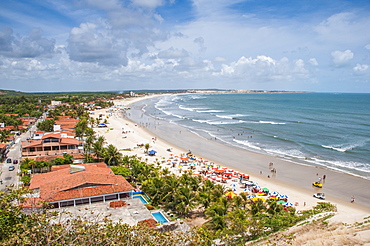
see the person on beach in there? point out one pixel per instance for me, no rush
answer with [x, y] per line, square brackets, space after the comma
[352, 199]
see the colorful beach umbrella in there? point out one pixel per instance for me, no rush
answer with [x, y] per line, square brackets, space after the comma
[288, 204]
[274, 193]
[233, 185]
[230, 194]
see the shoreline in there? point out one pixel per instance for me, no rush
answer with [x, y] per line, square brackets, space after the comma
[291, 178]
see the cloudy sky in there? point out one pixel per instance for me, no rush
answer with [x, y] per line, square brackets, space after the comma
[101, 45]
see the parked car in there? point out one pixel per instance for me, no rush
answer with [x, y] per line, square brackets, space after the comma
[11, 168]
[8, 160]
[15, 161]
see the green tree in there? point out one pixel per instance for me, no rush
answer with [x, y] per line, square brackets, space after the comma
[146, 147]
[98, 147]
[4, 135]
[111, 155]
[46, 125]
[119, 170]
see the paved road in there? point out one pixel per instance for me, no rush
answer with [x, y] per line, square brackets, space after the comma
[11, 178]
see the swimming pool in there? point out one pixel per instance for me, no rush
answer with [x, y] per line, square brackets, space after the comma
[159, 217]
[142, 199]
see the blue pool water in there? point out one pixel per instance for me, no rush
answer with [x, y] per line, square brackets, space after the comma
[141, 199]
[158, 216]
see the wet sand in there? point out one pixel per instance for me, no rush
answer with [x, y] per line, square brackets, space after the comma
[338, 187]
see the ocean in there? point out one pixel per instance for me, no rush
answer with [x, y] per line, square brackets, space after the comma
[330, 130]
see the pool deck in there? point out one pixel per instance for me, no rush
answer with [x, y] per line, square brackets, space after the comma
[130, 214]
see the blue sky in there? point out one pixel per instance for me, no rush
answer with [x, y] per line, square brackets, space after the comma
[95, 45]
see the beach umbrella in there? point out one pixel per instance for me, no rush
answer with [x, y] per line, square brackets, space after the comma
[257, 187]
[152, 151]
[246, 189]
[274, 193]
[225, 178]
[281, 202]
[192, 164]
[250, 196]
[284, 197]
[233, 185]
[230, 194]
[227, 174]
[288, 204]
[265, 189]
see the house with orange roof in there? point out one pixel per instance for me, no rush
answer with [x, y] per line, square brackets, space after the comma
[4, 149]
[51, 144]
[71, 185]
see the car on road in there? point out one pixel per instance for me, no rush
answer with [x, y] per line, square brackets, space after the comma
[15, 161]
[8, 160]
[11, 168]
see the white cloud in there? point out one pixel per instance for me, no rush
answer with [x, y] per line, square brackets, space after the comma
[148, 3]
[367, 46]
[220, 59]
[263, 69]
[342, 58]
[92, 43]
[361, 69]
[313, 62]
[172, 53]
[25, 47]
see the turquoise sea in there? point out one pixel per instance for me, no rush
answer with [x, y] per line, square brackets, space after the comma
[323, 129]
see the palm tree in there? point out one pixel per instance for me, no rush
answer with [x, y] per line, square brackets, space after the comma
[98, 147]
[153, 187]
[146, 146]
[204, 198]
[111, 155]
[216, 211]
[184, 200]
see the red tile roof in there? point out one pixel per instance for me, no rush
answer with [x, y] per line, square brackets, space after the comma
[51, 135]
[94, 180]
[69, 141]
[32, 143]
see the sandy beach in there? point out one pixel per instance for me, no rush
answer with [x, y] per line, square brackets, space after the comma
[292, 179]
